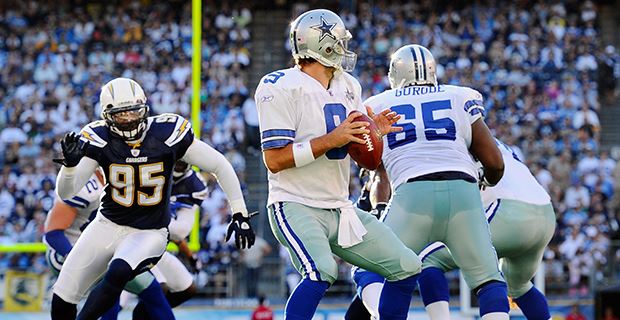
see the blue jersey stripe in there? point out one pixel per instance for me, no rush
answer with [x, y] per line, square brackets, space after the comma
[277, 143]
[82, 200]
[74, 204]
[278, 133]
[471, 103]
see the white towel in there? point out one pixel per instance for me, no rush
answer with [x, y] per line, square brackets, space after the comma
[350, 230]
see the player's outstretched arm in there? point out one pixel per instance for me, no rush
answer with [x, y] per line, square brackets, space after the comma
[483, 147]
[208, 159]
[71, 179]
[301, 154]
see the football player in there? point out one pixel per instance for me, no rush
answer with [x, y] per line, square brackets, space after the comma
[68, 218]
[64, 225]
[522, 222]
[306, 119]
[129, 233]
[436, 196]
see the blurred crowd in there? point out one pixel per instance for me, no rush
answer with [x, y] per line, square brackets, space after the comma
[56, 55]
[544, 75]
[540, 65]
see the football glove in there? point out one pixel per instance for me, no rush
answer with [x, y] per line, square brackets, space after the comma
[72, 151]
[241, 227]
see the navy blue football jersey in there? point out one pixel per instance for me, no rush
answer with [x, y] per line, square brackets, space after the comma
[139, 176]
[189, 190]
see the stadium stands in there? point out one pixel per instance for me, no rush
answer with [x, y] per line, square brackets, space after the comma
[538, 65]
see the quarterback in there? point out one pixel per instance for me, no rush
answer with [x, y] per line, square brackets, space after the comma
[306, 119]
[435, 186]
[129, 233]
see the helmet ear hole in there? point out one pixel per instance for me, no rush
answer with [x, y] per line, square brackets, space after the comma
[328, 50]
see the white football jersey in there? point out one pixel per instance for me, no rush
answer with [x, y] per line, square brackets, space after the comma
[517, 183]
[294, 107]
[436, 134]
[86, 201]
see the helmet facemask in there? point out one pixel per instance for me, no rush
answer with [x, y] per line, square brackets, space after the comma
[347, 58]
[128, 122]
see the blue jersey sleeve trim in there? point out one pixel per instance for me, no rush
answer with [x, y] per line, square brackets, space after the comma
[81, 200]
[278, 133]
[277, 143]
[74, 204]
[474, 107]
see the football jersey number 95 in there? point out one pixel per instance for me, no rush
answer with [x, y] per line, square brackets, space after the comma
[122, 178]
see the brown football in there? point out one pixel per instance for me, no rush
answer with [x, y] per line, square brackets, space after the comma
[367, 155]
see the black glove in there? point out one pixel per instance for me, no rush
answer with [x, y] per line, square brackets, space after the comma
[72, 151]
[244, 235]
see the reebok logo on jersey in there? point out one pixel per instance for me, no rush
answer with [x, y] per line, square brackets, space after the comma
[268, 98]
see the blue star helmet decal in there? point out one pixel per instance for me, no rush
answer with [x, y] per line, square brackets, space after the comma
[326, 29]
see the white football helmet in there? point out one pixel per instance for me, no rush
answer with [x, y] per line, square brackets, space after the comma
[321, 35]
[124, 108]
[412, 65]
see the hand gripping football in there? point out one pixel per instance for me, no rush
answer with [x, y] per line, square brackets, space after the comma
[367, 155]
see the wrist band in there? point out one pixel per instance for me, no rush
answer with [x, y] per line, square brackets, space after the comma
[302, 154]
[238, 205]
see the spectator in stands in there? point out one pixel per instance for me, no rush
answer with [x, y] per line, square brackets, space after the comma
[262, 311]
[575, 313]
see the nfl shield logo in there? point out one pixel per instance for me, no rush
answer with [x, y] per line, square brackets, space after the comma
[135, 152]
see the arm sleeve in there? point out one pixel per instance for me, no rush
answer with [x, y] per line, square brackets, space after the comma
[71, 180]
[275, 116]
[181, 226]
[208, 159]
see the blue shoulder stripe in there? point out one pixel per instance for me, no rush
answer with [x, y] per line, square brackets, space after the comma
[277, 143]
[277, 133]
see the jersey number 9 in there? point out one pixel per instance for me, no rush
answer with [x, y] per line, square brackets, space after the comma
[123, 187]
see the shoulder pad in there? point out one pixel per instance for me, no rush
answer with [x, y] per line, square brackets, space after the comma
[174, 126]
[95, 133]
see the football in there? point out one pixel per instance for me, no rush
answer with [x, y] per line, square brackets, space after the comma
[367, 155]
